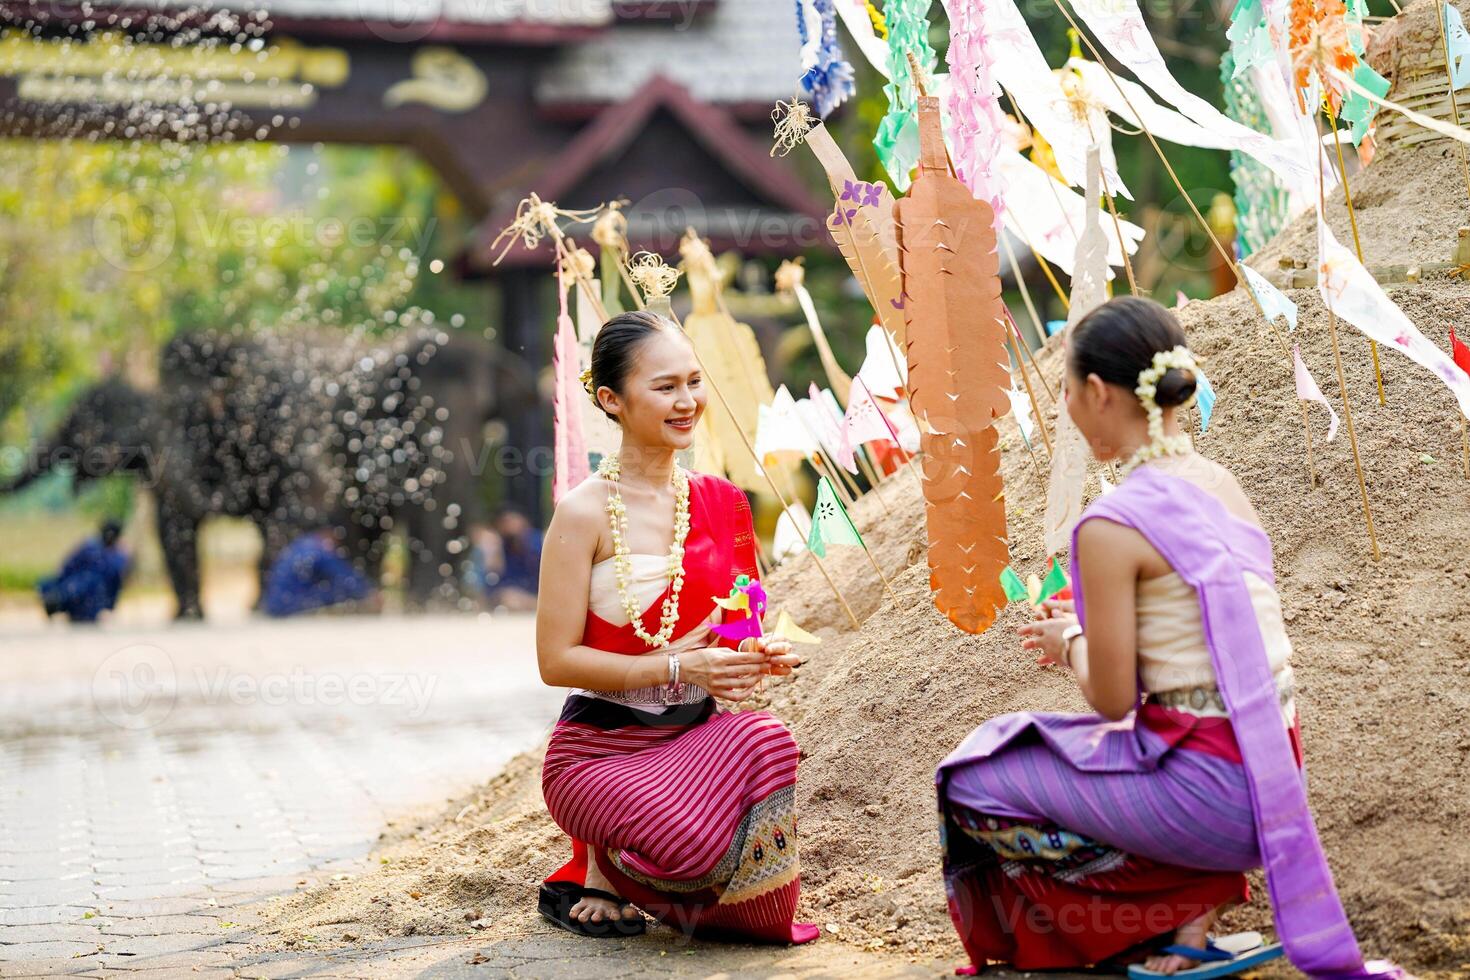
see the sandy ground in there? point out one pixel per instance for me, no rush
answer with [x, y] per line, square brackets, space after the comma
[1382, 649]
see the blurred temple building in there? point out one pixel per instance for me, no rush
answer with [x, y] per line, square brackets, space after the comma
[664, 103]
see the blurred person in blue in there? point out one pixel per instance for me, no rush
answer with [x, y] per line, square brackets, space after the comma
[311, 573]
[90, 578]
[506, 562]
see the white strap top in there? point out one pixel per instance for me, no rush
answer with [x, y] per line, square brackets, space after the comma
[1172, 655]
[649, 578]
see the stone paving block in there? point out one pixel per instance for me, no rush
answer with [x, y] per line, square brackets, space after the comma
[180, 971]
[183, 875]
[112, 893]
[171, 942]
[156, 925]
[41, 914]
[152, 862]
[81, 932]
[65, 967]
[143, 908]
[14, 893]
[46, 949]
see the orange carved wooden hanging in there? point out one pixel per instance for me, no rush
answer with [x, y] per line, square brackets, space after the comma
[958, 376]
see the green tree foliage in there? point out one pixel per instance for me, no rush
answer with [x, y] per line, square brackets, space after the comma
[110, 248]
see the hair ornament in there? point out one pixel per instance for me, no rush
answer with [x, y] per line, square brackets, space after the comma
[586, 378]
[1147, 391]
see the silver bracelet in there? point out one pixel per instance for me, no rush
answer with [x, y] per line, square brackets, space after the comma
[674, 691]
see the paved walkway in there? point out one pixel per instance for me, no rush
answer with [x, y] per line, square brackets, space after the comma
[155, 779]
[156, 783]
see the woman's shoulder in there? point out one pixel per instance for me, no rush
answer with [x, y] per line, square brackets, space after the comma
[584, 503]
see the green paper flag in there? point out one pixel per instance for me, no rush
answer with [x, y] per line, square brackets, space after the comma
[897, 140]
[830, 523]
[1055, 581]
[1357, 110]
[1014, 588]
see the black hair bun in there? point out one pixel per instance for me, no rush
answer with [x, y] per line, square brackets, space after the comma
[1175, 388]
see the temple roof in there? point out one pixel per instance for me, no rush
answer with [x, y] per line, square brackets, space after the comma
[740, 51]
[679, 163]
[582, 13]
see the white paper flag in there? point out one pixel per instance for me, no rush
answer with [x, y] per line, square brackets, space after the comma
[885, 368]
[1307, 390]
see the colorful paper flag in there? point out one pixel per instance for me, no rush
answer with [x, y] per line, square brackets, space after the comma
[1459, 353]
[826, 75]
[1204, 399]
[864, 422]
[780, 431]
[1021, 409]
[1351, 292]
[1307, 390]
[1273, 301]
[830, 523]
[1056, 580]
[820, 419]
[792, 527]
[885, 367]
[787, 629]
[569, 448]
[1012, 585]
[1459, 43]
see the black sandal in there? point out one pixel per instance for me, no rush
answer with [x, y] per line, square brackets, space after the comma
[558, 897]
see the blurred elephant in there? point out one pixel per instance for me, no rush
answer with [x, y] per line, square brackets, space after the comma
[410, 445]
[300, 433]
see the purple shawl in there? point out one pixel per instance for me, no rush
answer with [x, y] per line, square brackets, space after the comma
[1211, 549]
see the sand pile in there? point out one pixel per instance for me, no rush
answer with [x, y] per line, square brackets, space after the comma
[1382, 657]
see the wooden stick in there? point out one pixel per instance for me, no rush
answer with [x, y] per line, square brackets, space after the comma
[1311, 464]
[867, 468]
[1465, 444]
[1173, 176]
[1035, 408]
[1347, 407]
[1030, 308]
[1449, 73]
[1347, 196]
[1113, 210]
[1046, 269]
[1026, 348]
[883, 578]
[785, 504]
[819, 464]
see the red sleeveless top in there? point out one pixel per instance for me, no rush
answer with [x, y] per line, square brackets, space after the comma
[720, 545]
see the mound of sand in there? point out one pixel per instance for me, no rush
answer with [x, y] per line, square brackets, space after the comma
[1382, 658]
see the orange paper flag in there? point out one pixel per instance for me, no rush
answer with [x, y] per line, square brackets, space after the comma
[957, 381]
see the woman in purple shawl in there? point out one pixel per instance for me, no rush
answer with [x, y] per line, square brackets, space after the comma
[1072, 840]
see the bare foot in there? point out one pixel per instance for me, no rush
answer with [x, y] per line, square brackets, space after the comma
[592, 909]
[1194, 933]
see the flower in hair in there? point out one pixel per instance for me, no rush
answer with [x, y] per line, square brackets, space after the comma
[1147, 391]
[586, 378]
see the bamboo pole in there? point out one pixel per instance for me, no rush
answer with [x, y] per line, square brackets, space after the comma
[780, 497]
[1311, 464]
[1449, 73]
[1347, 407]
[1347, 196]
[1030, 308]
[1174, 177]
[1031, 394]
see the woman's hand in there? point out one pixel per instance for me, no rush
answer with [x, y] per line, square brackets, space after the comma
[730, 675]
[1045, 636]
[779, 659]
[1052, 608]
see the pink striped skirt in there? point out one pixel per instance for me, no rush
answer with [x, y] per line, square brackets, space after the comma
[690, 814]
